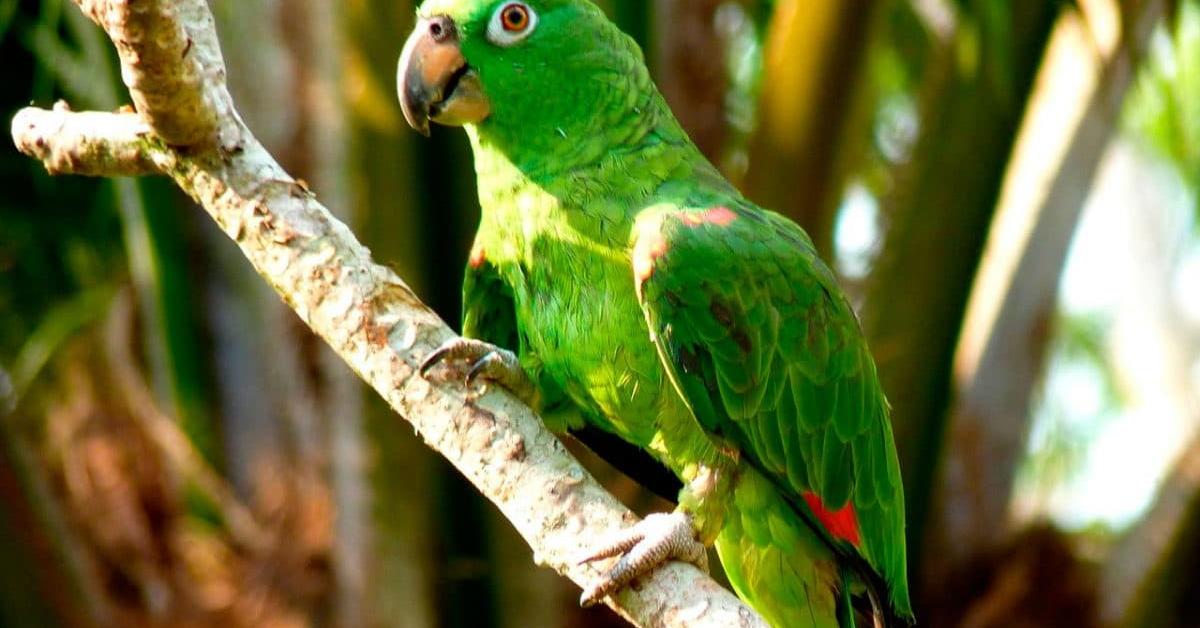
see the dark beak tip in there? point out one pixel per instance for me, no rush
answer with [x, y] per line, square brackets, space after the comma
[416, 116]
[412, 103]
[419, 123]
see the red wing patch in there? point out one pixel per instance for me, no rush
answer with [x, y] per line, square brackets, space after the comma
[719, 216]
[841, 524]
[478, 258]
[649, 247]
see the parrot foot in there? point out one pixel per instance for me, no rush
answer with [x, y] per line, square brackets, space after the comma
[488, 364]
[658, 538]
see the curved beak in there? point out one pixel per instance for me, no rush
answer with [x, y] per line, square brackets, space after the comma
[434, 80]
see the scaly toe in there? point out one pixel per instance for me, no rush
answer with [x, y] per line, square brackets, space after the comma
[616, 547]
[653, 541]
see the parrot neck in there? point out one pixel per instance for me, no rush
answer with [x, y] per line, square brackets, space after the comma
[567, 146]
[548, 135]
[614, 173]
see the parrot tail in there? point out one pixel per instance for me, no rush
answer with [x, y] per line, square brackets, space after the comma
[845, 604]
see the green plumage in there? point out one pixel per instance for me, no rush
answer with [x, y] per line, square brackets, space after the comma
[759, 340]
[646, 296]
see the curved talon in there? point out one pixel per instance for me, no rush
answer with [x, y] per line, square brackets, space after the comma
[643, 548]
[433, 359]
[488, 363]
[465, 349]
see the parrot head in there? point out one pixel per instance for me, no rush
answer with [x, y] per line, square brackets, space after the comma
[523, 73]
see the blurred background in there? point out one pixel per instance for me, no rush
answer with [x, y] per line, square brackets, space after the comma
[1010, 190]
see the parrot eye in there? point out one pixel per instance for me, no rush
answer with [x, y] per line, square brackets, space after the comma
[515, 18]
[511, 23]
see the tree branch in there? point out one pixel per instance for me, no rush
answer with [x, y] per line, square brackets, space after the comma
[186, 127]
[90, 143]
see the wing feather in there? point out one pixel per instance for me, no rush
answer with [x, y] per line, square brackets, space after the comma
[768, 355]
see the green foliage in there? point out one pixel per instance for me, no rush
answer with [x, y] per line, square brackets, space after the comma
[1059, 441]
[58, 239]
[1164, 110]
[76, 61]
[8, 12]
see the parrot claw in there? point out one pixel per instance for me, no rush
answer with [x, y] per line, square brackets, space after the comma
[488, 364]
[658, 538]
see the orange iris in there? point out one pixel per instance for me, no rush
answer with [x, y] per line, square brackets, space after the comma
[515, 18]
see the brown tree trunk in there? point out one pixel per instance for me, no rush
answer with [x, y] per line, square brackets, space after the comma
[690, 69]
[937, 224]
[813, 118]
[1073, 112]
[1150, 577]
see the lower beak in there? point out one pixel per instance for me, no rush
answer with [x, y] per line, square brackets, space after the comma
[434, 80]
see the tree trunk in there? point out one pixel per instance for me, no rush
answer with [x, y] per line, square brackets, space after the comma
[694, 84]
[1150, 577]
[1073, 111]
[813, 118]
[938, 221]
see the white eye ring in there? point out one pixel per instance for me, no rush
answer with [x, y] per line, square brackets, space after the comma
[511, 23]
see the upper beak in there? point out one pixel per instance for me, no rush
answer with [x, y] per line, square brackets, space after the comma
[434, 80]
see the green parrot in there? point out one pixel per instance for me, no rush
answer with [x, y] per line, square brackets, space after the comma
[620, 285]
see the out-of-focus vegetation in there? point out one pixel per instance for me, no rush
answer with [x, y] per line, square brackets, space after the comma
[1010, 189]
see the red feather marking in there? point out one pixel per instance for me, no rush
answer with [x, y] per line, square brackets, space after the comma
[478, 258]
[841, 524]
[649, 247]
[720, 216]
